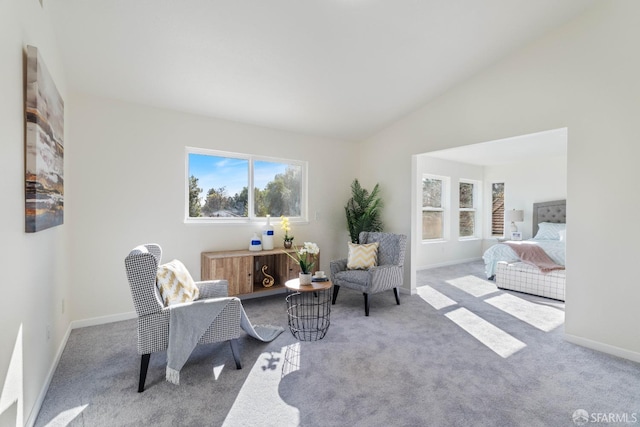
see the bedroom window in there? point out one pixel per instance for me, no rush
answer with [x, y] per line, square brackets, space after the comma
[497, 209]
[467, 216]
[433, 207]
[230, 187]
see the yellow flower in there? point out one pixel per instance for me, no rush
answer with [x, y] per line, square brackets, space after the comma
[286, 227]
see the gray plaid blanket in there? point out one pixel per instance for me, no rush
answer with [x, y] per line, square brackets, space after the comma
[188, 322]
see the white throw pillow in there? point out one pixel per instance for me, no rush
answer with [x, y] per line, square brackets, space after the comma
[549, 231]
[362, 257]
[175, 283]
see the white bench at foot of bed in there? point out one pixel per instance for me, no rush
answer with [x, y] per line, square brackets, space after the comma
[522, 277]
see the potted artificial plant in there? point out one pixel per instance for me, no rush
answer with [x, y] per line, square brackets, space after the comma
[363, 210]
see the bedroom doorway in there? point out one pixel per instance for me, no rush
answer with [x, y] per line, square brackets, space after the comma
[532, 167]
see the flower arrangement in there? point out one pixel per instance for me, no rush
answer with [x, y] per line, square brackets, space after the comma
[286, 227]
[306, 256]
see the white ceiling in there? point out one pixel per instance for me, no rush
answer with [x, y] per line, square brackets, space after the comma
[337, 68]
[519, 149]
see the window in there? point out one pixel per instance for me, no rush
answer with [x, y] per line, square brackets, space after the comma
[433, 207]
[232, 187]
[467, 216]
[497, 209]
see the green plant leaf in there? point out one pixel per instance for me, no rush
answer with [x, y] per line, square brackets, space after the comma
[363, 210]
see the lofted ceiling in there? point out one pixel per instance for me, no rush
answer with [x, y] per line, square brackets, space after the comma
[519, 149]
[335, 68]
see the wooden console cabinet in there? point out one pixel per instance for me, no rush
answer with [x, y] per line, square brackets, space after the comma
[243, 269]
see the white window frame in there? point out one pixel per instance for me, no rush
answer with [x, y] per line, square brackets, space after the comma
[475, 209]
[252, 158]
[445, 197]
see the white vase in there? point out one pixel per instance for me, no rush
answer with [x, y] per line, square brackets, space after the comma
[267, 235]
[305, 279]
[255, 244]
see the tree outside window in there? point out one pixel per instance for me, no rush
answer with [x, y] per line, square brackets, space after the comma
[467, 209]
[432, 208]
[222, 185]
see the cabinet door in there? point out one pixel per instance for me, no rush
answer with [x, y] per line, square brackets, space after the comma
[292, 269]
[287, 268]
[237, 270]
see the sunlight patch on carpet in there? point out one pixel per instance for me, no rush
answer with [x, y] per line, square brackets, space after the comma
[291, 359]
[473, 285]
[217, 370]
[488, 334]
[65, 417]
[259, 402]
[539, 316]
[436, 299]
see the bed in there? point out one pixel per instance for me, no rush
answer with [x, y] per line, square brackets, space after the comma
[503, 264]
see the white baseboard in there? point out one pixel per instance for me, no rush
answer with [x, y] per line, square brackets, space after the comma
[45, 387]
[102, 320]
[54, 365]
[447, 263]
[605, 348]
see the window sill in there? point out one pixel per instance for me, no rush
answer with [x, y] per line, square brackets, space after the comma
[241, 221]
[429, 242]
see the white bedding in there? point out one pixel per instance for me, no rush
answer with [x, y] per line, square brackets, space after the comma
[554, 248]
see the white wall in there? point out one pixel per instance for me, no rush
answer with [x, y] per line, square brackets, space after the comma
[450, 250]
[528, 183]
[582, 76]
[34, 266]
[129, 183]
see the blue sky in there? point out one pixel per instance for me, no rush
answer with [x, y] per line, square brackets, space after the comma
[216, 172]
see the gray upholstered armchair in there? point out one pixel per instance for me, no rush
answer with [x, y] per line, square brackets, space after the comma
[388, 274]
[153, 317]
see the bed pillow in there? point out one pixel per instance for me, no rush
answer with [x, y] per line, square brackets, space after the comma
[362, 257]
[175, 283]
[549, 231]
[563, 235]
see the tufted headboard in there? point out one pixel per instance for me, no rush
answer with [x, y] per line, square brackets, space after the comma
[555, 211]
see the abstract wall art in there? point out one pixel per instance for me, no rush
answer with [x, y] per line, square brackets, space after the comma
[44, 147]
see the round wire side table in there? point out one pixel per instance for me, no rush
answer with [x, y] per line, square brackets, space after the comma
[308, 309]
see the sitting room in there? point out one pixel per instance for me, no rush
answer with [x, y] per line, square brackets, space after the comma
[145, 112]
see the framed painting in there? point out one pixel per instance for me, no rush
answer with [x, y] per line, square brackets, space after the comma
[44, 148]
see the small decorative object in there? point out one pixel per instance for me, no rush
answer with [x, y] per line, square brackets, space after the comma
[305, 257]
[268, 280]
[286, 227]
[305, 278]
[44, 152]
[256, 244]
[267, 235]
[319, 276]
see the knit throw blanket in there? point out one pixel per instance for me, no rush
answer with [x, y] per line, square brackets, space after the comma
[534, 255]
[187, 324]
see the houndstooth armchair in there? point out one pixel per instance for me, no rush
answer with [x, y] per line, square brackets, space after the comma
[153, 317]
[388, 274]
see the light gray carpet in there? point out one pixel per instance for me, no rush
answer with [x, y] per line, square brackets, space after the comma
[407, 365]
